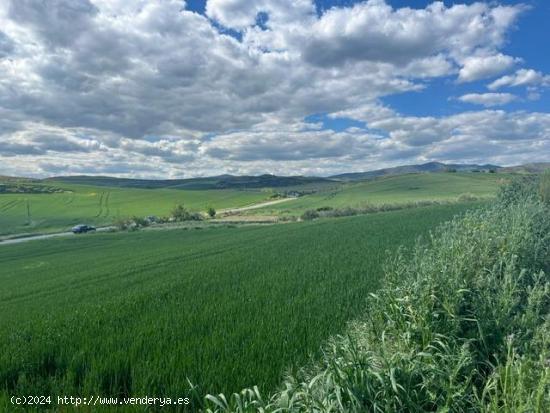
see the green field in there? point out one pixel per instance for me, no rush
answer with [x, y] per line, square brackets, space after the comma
[102, 205]
[395, 190]
[137, 313]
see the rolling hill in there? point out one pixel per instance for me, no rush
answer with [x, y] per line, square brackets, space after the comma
[214, 182]
[408, 169]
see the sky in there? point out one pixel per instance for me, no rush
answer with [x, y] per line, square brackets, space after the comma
[177, 89]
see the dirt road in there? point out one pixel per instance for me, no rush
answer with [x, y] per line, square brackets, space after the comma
[255, 206]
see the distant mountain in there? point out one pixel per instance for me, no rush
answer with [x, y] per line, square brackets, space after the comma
[408, 169]
[214, 182]
[274, 181]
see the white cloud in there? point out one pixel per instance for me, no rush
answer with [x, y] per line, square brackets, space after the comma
[482, 67]
[240, 14]
[488, 99]
[150, 88]
[523, 77]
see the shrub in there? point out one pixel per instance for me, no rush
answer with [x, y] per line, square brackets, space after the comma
[310, 214]
[521, 188]
[131, 223]
[180, 213]
[211, 212]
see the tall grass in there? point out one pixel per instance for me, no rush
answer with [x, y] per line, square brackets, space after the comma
[462, 325]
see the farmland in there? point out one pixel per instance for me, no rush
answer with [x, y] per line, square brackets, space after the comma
[99, 205]
[68, 203]
[226, 307]
[396, 190]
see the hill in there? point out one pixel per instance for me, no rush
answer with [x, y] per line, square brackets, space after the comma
[407, 169]
[57, 205]
[396, 189]
[214, 182]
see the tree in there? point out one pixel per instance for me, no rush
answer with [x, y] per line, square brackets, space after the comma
[310, 214]
[211, 212]
[180, 213]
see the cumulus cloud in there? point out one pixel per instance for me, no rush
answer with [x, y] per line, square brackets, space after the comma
[153, 89]
[240, 14]
[523, 77]
[374, 31]
[488, 99]
[482, 67]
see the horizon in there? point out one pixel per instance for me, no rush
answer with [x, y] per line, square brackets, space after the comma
[171, 89]
[484, 164]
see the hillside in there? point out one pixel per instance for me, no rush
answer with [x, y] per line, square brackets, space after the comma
[407, 169]
[397, 189]
[214, 182]
[55, 204]
[70, 204]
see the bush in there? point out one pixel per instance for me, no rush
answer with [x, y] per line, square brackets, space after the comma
[131, 223]
[310, 214]
[180, 213]
[521, 188]
[211, 212]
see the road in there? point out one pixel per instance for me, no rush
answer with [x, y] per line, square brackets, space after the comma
[255, 206]
[228, 211]
[46, 236]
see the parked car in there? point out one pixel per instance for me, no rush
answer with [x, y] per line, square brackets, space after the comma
[82, 229]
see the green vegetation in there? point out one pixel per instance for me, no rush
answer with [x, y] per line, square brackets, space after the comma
[118, 314]
[27, 188]
[70, 204]
[103, 205]
[394, 190]
[179, 214]
[462, 325]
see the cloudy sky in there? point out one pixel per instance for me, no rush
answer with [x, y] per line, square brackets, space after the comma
[172, 88]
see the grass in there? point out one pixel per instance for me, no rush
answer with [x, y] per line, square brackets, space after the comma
[461, 325]
[395, 190]
[117, 314]
[102, 205]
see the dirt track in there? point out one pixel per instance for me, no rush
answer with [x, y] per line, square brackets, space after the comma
[255, 206]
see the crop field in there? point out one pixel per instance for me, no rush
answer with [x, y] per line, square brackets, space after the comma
[395, 190]
[134, 314]
[101, 205]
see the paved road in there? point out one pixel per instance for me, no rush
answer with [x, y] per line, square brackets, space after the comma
[70, 234]
[47, 236]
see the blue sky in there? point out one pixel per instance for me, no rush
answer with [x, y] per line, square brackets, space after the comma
[526, 41]
[168, 88]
